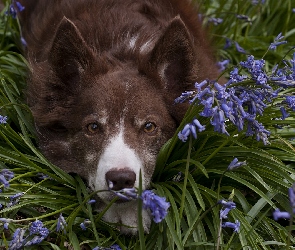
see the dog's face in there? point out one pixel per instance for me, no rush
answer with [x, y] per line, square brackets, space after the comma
[104, 116]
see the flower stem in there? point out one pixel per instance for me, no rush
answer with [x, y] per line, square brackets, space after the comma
[185, 177]
[219, 234]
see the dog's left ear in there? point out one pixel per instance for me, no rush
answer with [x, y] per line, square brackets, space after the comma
[173, 60]
[173, 55]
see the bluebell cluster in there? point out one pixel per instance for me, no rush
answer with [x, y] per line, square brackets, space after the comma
[14, 8]
[157, 205]
[227, 206]
[245, 96]
[37, 233]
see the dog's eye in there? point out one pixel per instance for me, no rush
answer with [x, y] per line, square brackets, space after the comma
[150, 127]
[93, 127]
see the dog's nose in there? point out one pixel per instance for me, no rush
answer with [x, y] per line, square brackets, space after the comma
[121, 179]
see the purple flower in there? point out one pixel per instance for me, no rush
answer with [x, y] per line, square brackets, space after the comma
[39, 231]
[228, 43]
[126, 193]
[292, 198]
[290, 100]
[190, 128]
[3, 119]
[61, 224]
[17, 239]
[5, 222]
[14, 199]
[244, 18]
[235, 164]
[91, 201]
[215, 20]
[23, 42]
[223, 213]
[277, 214]
[19, 6]
[284, 113]
[156, 204]
[223, 64]
[235, 226]
[277, 42]
[12, 11]
[85, 224]
[227, 206]
[113, 247]
[239, 48]
[184, 96]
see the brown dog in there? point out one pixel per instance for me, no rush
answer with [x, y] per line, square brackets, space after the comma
[104, 76]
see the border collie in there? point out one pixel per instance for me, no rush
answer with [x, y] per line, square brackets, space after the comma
[103, 78]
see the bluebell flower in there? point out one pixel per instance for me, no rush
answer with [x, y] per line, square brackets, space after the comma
[156, 204]
[284, 113]
[85, 224]
[215, 20]
[244, 18]
[223, 213]
[3, 119]
[6, 222]
[61, 224]
[19, 6]
[222, 65]
[255, 2]
[14, 199]
[239, 48]
[4, 181]
[14, 8]
[235, 164]
[5, 176]
[235, 226]
[18, 240]
[277, 214]
[227, 206]
[291, 192]
[228, 43]
[190, 128]
[39, 232]
[126, 193]
[200, 85]
[277, 42]
[184, 96]
[290, 100]
[113, 247]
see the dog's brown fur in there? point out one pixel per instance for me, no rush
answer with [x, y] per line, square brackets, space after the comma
[113, 63]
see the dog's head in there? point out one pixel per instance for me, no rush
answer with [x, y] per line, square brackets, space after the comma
[105, 116]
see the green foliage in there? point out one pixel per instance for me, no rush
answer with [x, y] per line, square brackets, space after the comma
[193, 219]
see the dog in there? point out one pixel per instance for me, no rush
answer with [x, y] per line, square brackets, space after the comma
[103, 78]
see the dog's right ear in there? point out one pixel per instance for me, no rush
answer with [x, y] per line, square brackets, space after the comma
[69, 55]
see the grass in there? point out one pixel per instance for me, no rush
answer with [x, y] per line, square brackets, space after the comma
[193, 219]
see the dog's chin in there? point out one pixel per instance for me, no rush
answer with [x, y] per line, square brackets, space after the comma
[125, 215]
